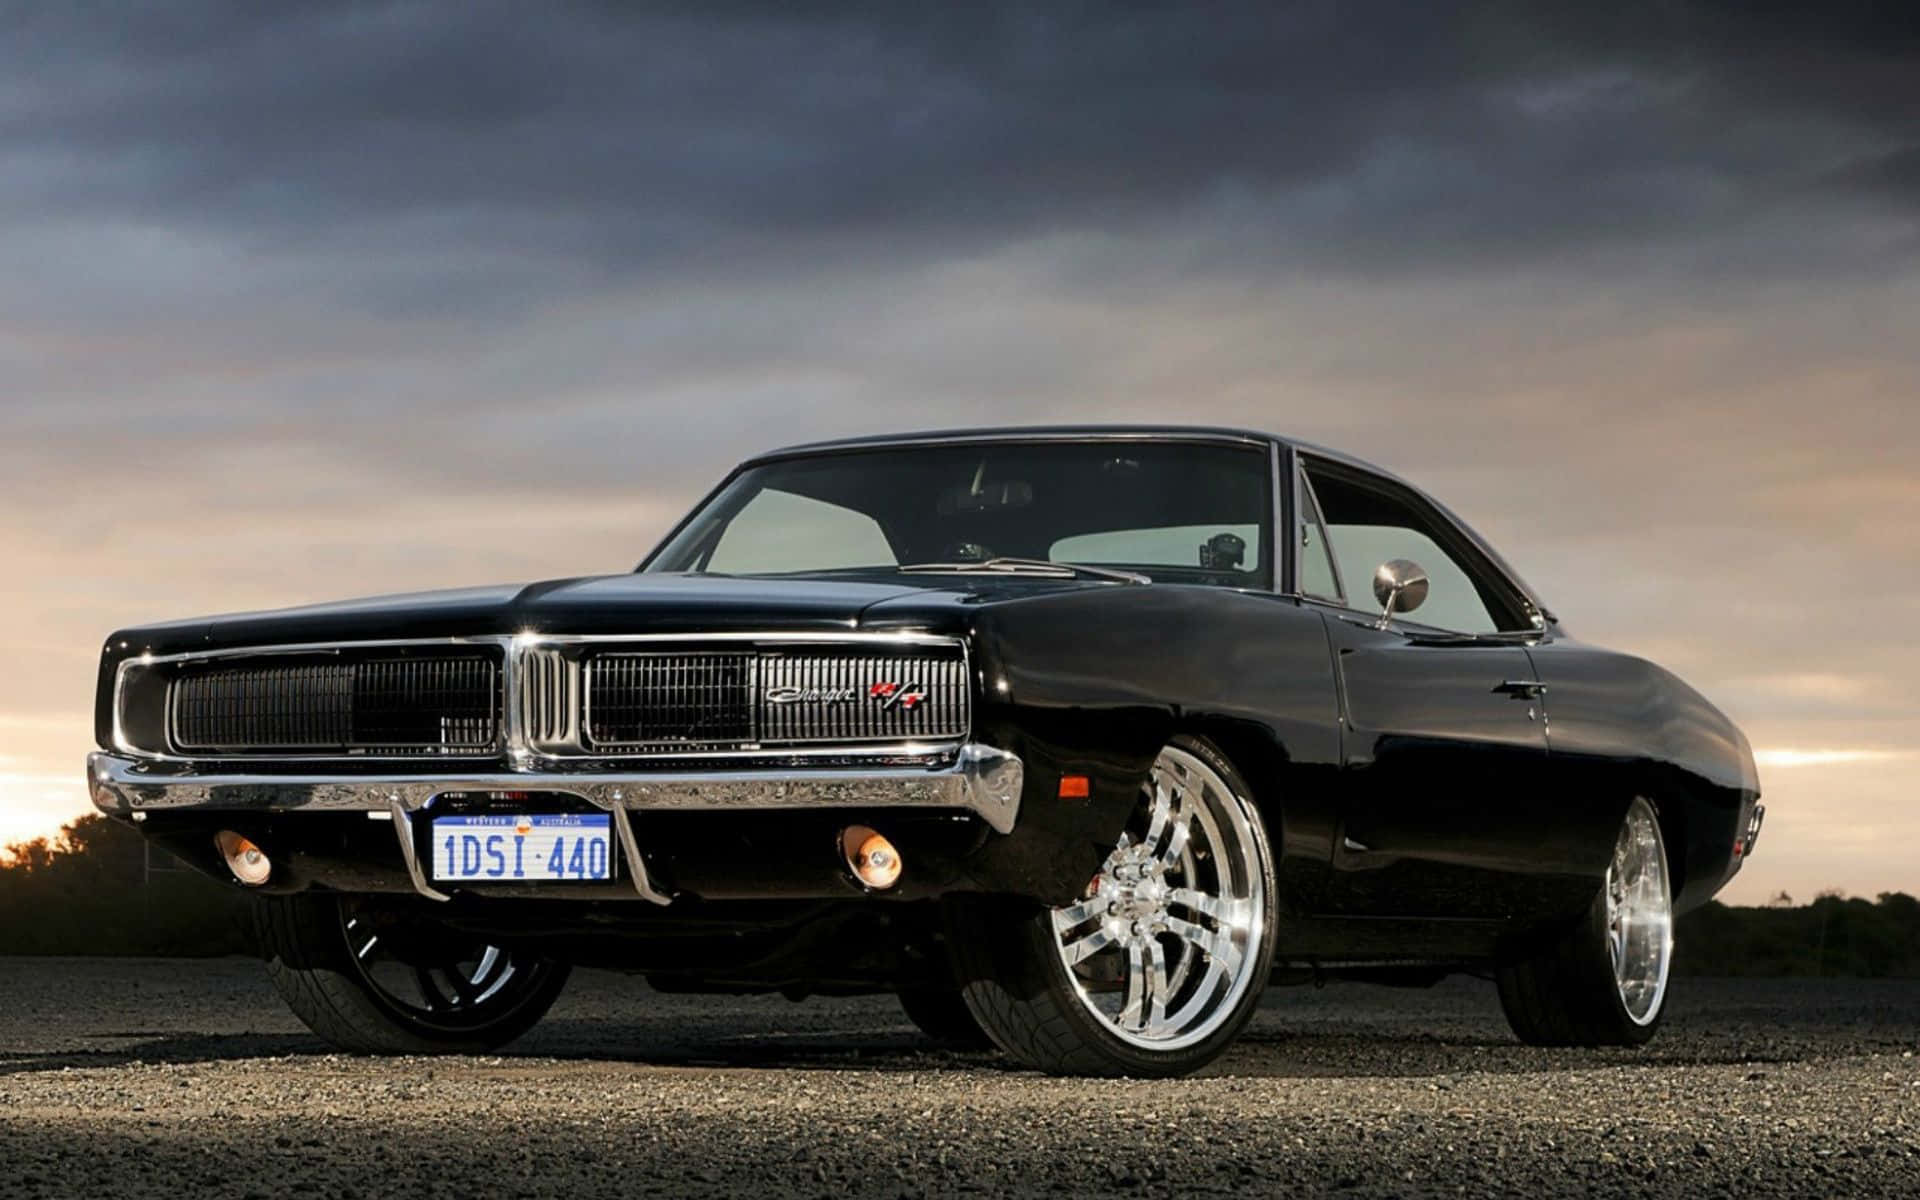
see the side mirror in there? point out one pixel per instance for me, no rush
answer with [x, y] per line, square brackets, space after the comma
[1400, 586]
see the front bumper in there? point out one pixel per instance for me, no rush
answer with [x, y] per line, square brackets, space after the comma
[982, 780]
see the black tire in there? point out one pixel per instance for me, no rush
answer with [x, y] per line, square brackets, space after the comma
[942, 1014]
[1020, 992]
[305, 940]
[1568, 994]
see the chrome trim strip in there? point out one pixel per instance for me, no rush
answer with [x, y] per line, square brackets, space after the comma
[982, 780]
[853, 750]
[512, 724]
[310, 648]
[120, 741]
[772, 639]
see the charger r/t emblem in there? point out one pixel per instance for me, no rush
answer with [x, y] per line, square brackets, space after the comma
[898, 695]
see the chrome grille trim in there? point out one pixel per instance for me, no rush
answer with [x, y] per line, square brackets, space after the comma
[548, 695]
[678, 701]
[711, 695]
[524, 656]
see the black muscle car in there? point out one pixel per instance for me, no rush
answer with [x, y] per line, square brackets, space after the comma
[1072, 738]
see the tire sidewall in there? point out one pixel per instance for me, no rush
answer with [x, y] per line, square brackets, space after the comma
[308, 958]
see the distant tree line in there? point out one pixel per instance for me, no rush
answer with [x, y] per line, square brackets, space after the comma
[1831, 937]
[96, 889]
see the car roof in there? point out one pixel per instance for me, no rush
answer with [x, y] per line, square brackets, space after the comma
[1210, 433]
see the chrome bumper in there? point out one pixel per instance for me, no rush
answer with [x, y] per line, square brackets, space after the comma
[982, 780]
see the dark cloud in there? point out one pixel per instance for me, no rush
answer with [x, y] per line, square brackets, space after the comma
[570, 143]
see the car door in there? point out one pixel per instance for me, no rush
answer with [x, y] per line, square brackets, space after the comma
[1443, 740]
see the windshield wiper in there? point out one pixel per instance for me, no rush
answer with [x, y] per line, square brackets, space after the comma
[1023, 566]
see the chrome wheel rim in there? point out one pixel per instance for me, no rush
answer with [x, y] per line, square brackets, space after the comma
[432, 976]
[1640, 914]
[1165, 942]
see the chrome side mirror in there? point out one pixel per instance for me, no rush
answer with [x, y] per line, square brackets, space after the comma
[1400, 586]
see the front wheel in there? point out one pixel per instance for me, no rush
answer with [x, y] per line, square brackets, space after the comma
[1603, 982]
[1159, 965]
[374, 979]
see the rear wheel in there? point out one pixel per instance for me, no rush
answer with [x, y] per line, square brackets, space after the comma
[1160, 964]
[373, 979]
[1604, 981]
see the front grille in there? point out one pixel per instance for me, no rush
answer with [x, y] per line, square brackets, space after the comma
[308, 707]
[439, 704]
[651, 703]
[571, 699]
[862, 698]
[717, 701]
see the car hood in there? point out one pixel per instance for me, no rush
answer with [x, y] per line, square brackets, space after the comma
[663, 603]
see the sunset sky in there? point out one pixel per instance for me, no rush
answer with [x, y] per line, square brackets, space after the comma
[306, 301]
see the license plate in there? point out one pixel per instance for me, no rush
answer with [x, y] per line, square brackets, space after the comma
[523, 848]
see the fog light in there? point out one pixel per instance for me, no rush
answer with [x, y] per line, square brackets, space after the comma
[247, 861]
[870, 857]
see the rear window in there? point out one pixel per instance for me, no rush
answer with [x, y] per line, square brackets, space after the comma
[1208, 546]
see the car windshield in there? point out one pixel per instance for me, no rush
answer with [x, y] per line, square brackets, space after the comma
[1177, 512]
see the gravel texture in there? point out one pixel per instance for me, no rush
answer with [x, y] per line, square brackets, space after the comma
[143, 1078]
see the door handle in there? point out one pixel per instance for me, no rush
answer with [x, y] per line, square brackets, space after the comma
[1522, 689]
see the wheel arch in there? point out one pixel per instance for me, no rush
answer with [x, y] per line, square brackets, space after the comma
[1699, 821]
[1257, 754]
[1290, 798]
[1696, 819]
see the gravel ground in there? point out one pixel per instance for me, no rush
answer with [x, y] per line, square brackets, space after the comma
[134, 1078]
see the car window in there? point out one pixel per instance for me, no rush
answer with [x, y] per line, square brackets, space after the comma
[1210, 546]
[1452, 602]
[779, 531]
[1371, 521]
[1317, 576]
